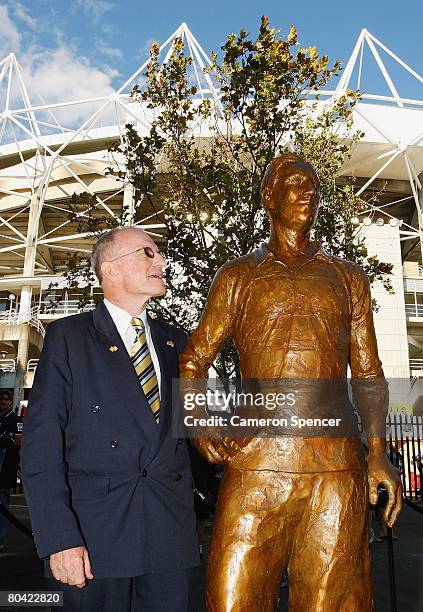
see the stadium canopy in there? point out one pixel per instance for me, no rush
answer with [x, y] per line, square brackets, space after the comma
[45, 158]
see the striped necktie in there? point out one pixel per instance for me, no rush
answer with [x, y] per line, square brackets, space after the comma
[144, 367]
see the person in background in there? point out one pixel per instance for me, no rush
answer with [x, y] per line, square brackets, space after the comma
[419, 465]
[10, 440]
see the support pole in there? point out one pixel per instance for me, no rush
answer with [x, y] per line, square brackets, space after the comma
[420, 214]
[129, 203]
[26, 291]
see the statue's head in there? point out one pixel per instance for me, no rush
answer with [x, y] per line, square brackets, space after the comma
[290, 192]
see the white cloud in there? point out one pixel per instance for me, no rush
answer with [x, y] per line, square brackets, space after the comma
[94, 8]
[109, 29]
[22, 13]
[10, 37]
[60, 75]
[111, 52]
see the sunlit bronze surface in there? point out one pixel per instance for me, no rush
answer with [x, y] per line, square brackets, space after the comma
[266, 520]
[294, 311]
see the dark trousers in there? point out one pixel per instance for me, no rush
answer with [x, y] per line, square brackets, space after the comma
[4, 522]
[176, 591]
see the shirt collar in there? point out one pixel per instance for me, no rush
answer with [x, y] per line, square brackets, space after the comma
[263, 254]
[122, 319]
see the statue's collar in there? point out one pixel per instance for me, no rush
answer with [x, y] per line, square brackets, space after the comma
[316, 251]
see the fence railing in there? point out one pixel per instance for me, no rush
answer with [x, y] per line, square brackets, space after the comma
[46, 307]
[31, 366]
[7, 365]
[13, 317]
[414, 310]
[35, 322]
[405, 435]
[416, 364]
[10, 316]
[63, 307]
[413, 285]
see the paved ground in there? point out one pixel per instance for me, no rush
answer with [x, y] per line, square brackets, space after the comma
[20, 568]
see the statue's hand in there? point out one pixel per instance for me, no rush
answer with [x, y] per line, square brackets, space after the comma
[219, 450]
[207, 447]
[382, 472]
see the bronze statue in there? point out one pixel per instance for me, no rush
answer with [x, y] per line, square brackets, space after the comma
[294, 312]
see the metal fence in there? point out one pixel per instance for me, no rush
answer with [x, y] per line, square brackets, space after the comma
[405, 435]
[7, 365]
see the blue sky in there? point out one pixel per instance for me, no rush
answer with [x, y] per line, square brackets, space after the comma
[77, 48]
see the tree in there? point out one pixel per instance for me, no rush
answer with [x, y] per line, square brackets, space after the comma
[204, 160]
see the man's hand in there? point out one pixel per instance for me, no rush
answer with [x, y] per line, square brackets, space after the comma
[219, 450]
[382, 472]
[72, 566]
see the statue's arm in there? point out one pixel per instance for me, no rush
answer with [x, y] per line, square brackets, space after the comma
[214, 327]
[202, 347]
[371, 395]
[369, 384]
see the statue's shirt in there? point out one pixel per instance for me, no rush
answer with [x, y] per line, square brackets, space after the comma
[308, 321]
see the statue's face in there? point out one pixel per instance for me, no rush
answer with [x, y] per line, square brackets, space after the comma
[292, 194]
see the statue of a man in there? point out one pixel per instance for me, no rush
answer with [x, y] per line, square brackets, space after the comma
[294, 312]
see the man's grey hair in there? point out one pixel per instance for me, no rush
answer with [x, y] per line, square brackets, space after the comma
[104, 246]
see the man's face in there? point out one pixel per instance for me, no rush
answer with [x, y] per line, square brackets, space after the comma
[5, 404]
[292, 195]
[135, 272]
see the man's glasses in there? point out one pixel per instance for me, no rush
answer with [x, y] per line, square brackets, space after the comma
[148, 251]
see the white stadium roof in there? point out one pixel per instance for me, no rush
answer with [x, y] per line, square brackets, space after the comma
[45, 157]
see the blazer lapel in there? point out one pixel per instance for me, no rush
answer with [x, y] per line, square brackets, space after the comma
[121, 370]
[167, 357]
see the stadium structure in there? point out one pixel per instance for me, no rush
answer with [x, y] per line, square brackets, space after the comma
[45, 159]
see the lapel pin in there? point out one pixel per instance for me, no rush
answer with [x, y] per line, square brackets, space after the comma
[170, 343]
[113, 349]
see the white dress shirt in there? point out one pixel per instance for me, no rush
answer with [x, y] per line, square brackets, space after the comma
[122, 320]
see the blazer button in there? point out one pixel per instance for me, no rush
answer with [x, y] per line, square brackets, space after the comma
[95, 408]
[114, 443]
[144, 473]
[178, 477]
[180, 440]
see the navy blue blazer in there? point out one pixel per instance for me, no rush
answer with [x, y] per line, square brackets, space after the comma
[97, 469]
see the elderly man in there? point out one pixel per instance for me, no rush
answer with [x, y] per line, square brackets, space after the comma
[109, 489]
[295, 313]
